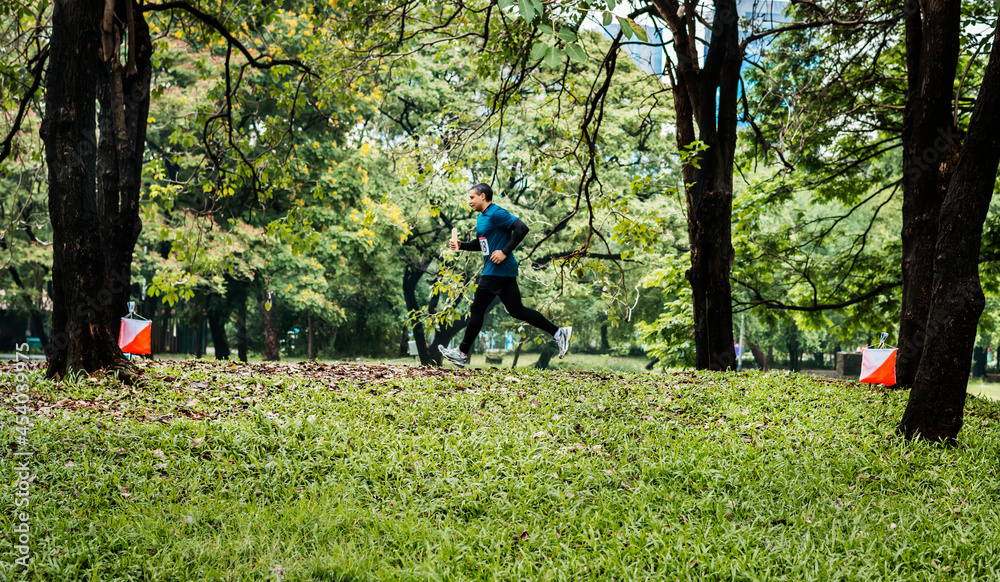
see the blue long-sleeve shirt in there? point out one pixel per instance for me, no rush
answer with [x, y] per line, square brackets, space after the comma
[494, 229]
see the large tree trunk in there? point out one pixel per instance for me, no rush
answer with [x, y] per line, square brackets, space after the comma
[930, 152]
[93, 187]
[710, 199]
[708, 96]
[937, 399]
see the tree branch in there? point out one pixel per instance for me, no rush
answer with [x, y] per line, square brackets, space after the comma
[775, 304]
[36, 73]
[219, 27]
[815, 24]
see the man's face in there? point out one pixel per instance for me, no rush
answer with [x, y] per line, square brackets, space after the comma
[477, 201]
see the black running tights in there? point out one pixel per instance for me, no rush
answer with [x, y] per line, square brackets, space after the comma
[510, 296]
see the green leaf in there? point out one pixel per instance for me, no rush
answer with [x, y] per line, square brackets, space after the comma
[539, 9]
[505, 3]
[538, 51]
[545, 29]
[608, 17]
[526, 10]
[639, 31]
[567, 34]
[553, 56]
[626, 27]
[576, 53]
[610, 3]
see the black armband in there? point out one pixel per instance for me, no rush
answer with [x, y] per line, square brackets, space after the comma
[518, 231]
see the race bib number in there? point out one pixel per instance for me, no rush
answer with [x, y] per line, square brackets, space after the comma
[485, 246]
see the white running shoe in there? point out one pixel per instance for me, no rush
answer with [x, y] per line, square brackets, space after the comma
[453, 355]
[562, 340]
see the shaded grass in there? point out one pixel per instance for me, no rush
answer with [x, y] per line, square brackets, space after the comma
[497, 475]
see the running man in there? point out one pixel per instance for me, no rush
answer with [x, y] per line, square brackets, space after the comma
[499, 233]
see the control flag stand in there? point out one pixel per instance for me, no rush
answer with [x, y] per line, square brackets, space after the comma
[135, 333]
[878, 365]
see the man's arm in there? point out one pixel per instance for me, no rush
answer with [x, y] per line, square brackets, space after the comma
[471, 245]
[518, 231]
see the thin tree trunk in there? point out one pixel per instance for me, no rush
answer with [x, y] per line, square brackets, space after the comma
[758, 356]
[217, 326]
[794, 356]
[38, 328]
[311, 350]
[930, 152]
[199, 333]
[404, 343]
[241, 327]
[272, 353]
[517, 352]
[978, 362]
[936, 404]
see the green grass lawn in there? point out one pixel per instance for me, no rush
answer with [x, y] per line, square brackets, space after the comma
[314, 472]
[574, 361]
[984, 389]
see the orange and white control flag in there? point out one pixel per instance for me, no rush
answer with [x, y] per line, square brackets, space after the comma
[878, 366]
[134, 336]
